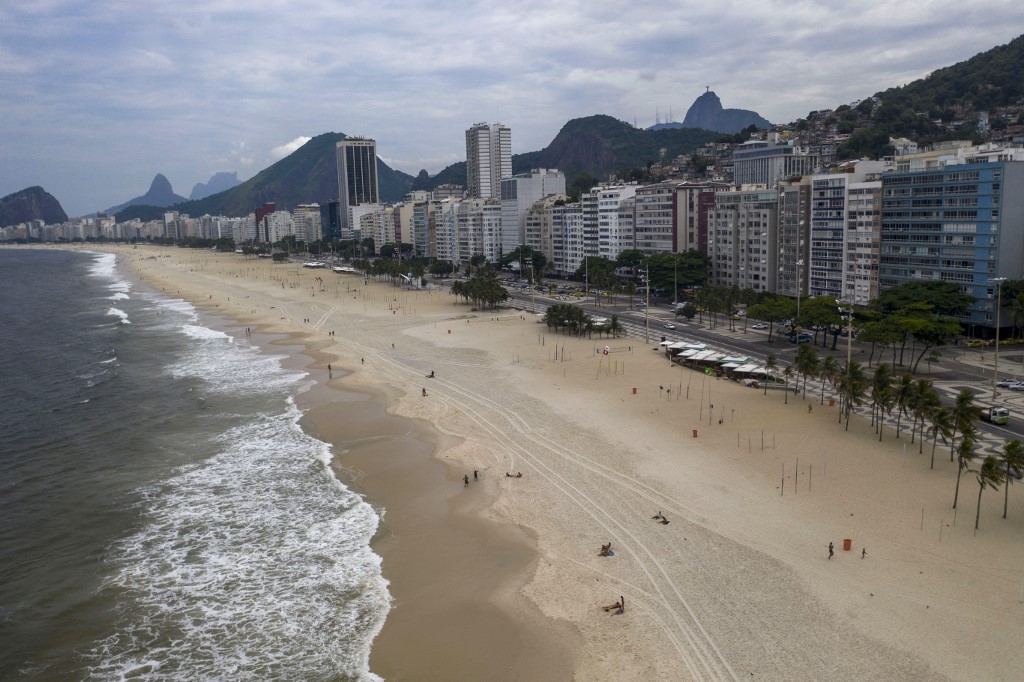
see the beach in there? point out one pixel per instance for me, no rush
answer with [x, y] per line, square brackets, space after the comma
[501, 578]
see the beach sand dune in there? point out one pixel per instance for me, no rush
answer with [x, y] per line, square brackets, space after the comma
[738, 584]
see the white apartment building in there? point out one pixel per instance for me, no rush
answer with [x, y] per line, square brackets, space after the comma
[479, 229]
[446, 233]
[832, 262]
[608, 217]
[307, 223]
[518, 195]
[488, 159]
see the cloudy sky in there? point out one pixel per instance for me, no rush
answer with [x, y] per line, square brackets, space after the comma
[98, 96]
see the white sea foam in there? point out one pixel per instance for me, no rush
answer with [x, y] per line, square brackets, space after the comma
[117, 312]
[119, 296]
[105, 265]
[253, 563]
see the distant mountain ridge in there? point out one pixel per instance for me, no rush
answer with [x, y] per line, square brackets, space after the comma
[600, 145]
[31, 203]
[707, 113]
[307, 175]
[160, 194]
[218, 183]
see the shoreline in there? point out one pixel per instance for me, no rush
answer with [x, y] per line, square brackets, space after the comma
[739, 584]
[478, 624]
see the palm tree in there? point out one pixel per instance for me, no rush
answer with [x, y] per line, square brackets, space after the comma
[942, 423]
[881, 394]
[787, 372]
[965, 454]
[1013, 455]
[964, 412]
[828, 371]
[614, 326]
[853, 386]
[806, 362]
[904, 393]
[770, 364]
[989, 475]
[924, 399]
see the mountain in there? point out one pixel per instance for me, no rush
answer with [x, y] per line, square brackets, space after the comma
[706, 112]
[941, 106]
[307, 175]
[32, 203]
[218, 183]
[600, 145]
[160, 194]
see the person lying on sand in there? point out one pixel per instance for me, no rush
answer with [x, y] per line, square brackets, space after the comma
[515, 475]
[660, 518]
[619, 606]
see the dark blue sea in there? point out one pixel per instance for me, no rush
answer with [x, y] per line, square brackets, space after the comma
[162, 515]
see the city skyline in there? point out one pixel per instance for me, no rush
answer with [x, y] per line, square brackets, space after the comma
[101, 99]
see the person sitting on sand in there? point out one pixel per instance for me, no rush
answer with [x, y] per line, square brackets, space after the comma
[424, 393]
[431, 375]
[606, 550]
[617, 606]
[658, 517]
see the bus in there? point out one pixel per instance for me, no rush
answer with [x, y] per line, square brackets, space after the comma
[995, 415]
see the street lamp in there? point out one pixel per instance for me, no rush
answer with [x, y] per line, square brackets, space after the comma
[849, 331]
[799, 267]
[995, 368]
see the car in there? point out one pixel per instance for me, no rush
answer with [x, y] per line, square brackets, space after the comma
[759, 325]
[669, 325]
[1018, 386]
[800, 338]
[1005, 383]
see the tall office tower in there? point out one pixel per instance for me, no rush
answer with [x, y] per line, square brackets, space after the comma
[488, 159]
[357, 177]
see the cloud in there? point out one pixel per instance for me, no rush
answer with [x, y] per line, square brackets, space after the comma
[278, 153]
[103, 92]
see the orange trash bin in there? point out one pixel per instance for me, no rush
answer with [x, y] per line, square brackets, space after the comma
[847, 544]
[695, 433]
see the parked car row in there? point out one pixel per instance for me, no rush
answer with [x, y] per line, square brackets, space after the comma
[1012, 384]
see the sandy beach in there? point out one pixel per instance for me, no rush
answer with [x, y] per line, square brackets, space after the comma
[501, 579]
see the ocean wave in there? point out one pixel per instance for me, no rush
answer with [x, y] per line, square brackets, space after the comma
[117, 312]
[119, 296]
[252, 564]
[105, 265]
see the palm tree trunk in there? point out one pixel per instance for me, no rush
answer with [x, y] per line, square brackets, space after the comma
[956, 495]
[977, 514]
[935, 441]
[1006, 489]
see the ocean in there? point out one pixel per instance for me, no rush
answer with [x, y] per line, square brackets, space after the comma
[162, 515]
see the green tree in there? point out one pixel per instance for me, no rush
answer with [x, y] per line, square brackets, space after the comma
[807, 362]
[828, 372]
[770, 364]
[965, 413]
[965, 454]
[881, 395]
[989, 475]
[1013, 458]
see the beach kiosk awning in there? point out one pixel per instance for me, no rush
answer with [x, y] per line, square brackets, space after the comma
[749, 369]
[736, 359]
[689, 353]
[666, 343]
[729, 365]
[677, 345]
[697, 346]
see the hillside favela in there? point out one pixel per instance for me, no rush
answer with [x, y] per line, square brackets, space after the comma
[710, 397]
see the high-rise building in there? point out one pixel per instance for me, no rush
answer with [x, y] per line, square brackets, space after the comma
[357, 178]
[488, 159]
[743, 227]
[763, 162]
[954, 215]
[518, 195]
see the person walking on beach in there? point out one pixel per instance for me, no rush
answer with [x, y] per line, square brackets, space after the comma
[831, 550]
[863, 552]
[475, 477]
[465, 481]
